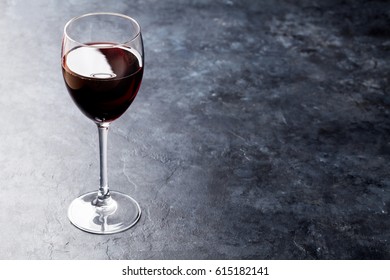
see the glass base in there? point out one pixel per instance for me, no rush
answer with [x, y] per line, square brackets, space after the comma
[120, 214]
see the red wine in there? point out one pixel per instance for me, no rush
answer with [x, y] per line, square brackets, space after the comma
[103, 80]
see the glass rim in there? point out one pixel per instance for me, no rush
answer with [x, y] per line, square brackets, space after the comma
[72, 20]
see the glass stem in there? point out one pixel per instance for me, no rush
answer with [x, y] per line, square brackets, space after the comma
[103, 198]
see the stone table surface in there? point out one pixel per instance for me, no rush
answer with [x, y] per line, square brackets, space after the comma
[261, 131]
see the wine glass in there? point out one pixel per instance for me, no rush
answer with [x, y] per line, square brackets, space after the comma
[102, 65]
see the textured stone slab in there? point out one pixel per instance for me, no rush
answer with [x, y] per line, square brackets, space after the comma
[261, 131]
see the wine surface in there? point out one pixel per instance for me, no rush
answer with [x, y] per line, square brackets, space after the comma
[102, 79]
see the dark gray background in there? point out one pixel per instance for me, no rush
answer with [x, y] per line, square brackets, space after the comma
[261, 131]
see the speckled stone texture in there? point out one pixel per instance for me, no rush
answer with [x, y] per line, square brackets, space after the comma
[261, 131]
